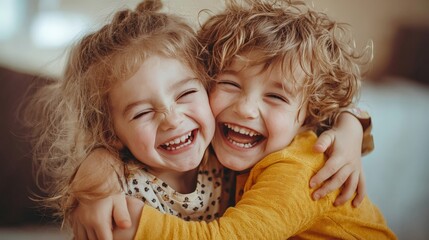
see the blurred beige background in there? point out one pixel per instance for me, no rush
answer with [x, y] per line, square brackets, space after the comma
[370, 20]
[34, 36]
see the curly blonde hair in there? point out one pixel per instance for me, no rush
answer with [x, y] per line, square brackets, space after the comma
[292, 35]
[70, 117]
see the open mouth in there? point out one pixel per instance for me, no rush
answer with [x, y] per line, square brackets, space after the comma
[240, 136]
[180, 142]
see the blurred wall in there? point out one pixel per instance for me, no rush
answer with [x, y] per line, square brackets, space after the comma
[370, 20]
[378, 21]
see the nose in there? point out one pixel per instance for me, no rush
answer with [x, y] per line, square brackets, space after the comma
[247, 108]
[172, 119]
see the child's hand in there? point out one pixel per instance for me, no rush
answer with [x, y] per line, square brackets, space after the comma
[343, 168]
[93, 219]
[135, 208]
[96, 186]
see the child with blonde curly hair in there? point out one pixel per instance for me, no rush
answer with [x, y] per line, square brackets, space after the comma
[135, 91]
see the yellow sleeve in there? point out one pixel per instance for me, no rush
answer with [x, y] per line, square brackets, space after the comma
[276, 204]
[365, 119]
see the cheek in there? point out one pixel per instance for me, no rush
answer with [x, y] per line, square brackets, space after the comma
[278, 123]
[142, 142]
[281, 123]
[217, 102]
[201, 109]
[204, 117]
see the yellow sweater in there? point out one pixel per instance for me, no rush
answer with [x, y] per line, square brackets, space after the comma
[277, 204]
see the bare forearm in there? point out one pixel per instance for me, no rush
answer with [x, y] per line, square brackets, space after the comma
[97, 177]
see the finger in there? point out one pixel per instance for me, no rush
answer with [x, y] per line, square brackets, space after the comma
[135, 207]
[73, 225]
[333, 183]
[326, 172]
[91, 234]
[75, 230]
[361, 191]
[81, 233]
[348, 190]
[103, 227]
[121, 215]
[324, 141]
[103, 232]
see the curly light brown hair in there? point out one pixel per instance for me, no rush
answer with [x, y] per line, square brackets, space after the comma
[70, 117]
[290, 34]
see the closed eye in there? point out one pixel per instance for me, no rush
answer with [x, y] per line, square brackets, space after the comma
[142, 114]
[228, 83]
[187, 93]
[277, 97]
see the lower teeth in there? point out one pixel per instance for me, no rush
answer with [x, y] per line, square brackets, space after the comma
[242, 145]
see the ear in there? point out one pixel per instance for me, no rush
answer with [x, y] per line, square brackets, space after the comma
[116, 143]
[302, 116]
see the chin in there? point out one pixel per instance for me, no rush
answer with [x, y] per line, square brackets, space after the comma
[233, 165]
[190, 166]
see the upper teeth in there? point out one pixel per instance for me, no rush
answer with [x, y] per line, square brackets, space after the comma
[178, 140]
[241, 130]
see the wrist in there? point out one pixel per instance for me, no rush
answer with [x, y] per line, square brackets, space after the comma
[360, 115]
[349, 121]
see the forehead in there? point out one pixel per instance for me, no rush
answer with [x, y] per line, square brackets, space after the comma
[283, 70]
[157, 70]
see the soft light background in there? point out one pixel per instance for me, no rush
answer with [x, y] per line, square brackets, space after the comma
[34, 36]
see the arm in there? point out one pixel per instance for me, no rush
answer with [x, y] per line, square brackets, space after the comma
[344, 143]
[135, 207]
[99, 193]
[93, 219]
[276, 204]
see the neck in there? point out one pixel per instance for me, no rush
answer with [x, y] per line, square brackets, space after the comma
[182, 182]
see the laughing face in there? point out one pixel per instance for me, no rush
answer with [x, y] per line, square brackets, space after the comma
[257, 112]
[162, 115]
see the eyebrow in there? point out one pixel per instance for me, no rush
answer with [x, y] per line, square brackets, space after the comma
[229, 71]
[182, 82]
[284, 87]
[132, 105]
[171, 87]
